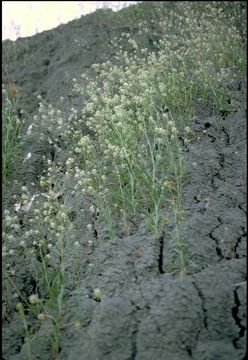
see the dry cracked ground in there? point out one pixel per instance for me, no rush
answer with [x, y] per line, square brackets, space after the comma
[147, 313]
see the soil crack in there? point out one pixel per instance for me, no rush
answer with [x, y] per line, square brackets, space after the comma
[240, 207]
[217, 243]
[135, 332]
[235, 314]
[227, 136]
[134, 343]
[135, 274]
[235, 247]
[204, 312]
[161, 252]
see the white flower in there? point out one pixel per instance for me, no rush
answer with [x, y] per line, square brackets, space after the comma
[33, 299]
[27, 157]
[41, 317]
[170, 123]
[89, 227]
[29, 129]
[92, 209]
[98, 294]
[90, 189]
[16, 227]
[17, 207]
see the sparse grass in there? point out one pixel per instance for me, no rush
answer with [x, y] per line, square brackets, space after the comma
[130, 164]
[11, 126]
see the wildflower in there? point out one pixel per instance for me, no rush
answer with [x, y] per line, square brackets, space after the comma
[98, 294]
[16, 227]
[89, 227]
[92, 209]
[41, 317]
[8, 220]
[19, 306]
[27, 157]
[90, 189]
[70, 161]
[29, 129]
[77, 325]
[33, 299]
[17, 207]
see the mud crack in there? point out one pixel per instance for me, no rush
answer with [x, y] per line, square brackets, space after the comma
[216, 175]
[227, 136]
[240, 207]
[212, 138]
[235, 314]
[224, 113]
[135, 332]
[221, 160]
[217, 243]
[235, 247]
[134, 341]
[161, 252]
[135, 274]
[204, 312]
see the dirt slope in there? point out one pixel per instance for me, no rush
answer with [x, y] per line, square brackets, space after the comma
[145, 312]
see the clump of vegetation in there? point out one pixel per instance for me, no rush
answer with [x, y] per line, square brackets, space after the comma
[133, 164]
[11, 126]
[127, 167]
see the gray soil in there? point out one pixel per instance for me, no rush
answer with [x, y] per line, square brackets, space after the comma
[146, 312]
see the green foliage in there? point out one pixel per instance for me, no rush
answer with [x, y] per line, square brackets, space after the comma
[11, 126]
